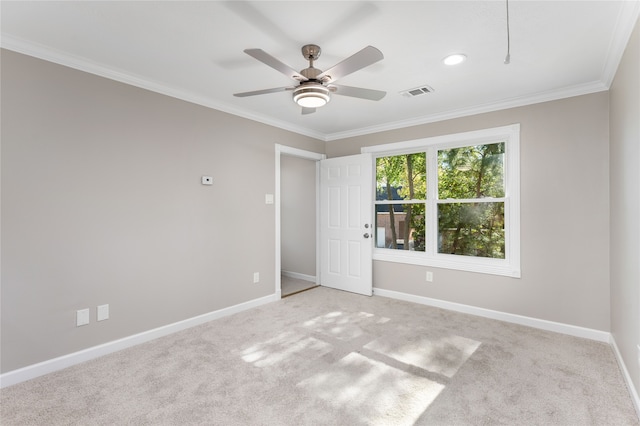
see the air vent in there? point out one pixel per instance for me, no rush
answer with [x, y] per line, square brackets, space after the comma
[412, 93]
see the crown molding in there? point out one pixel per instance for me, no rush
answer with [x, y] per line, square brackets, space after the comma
[627, 19]
[552, 95]
[626, 22]
[46, 53]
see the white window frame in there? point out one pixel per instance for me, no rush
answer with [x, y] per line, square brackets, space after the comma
[510, 265]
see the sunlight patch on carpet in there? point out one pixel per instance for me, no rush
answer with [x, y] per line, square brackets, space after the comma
[381, 394]
[284, 347]
[343, 326]
[443, 355]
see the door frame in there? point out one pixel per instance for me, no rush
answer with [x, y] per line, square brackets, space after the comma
[307, 155]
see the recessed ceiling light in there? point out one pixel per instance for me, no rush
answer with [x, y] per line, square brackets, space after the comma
[455, 59]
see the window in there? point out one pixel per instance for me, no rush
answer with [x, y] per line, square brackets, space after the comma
[400, 201]
[450, 201]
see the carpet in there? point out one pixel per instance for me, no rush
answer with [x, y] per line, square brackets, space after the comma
[326, 357]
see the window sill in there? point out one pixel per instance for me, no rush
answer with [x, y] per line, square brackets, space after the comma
[460, 263]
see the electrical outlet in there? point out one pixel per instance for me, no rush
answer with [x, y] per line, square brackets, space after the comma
[256, 277]
[82, 317]
[102, 313]
[429, 276]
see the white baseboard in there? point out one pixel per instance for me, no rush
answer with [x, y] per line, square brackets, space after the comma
[299, 276]
[627, 378]
[572, 330]
[49, 366]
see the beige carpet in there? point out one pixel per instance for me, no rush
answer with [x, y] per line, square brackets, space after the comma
[325, 357]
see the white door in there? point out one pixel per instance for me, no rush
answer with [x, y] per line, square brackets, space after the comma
[346, 233]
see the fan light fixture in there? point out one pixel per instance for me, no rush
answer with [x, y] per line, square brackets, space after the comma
[314, 87]
[311, 95]
[454, 59]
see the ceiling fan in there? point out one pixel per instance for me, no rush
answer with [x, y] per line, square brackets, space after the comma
[315, 86]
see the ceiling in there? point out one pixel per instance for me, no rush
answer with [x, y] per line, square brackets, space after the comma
[194, 51]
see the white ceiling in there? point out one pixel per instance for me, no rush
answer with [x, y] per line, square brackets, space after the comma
[194, 51]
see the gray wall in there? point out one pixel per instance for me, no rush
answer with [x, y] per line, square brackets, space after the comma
[102, 203]
[564, 216]
[625, 206]
[298, 215]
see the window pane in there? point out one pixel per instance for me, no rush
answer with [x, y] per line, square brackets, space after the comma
[401, 177]
[392, 230]
[471, 172]
[471, 229]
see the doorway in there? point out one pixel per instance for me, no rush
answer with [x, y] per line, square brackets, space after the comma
[297, 198]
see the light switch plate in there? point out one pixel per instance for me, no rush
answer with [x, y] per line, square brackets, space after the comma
[268, 198]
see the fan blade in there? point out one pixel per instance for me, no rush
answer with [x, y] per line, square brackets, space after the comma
[367, 56]
[306, 111]
[358, 92]
[263, 92]
[274, 63]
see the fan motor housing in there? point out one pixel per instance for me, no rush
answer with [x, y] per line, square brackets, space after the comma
[311, 73]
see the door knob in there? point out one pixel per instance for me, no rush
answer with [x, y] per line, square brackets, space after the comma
[366, 225]
[366, 235]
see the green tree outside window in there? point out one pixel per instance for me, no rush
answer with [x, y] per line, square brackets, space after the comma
[470, 201]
